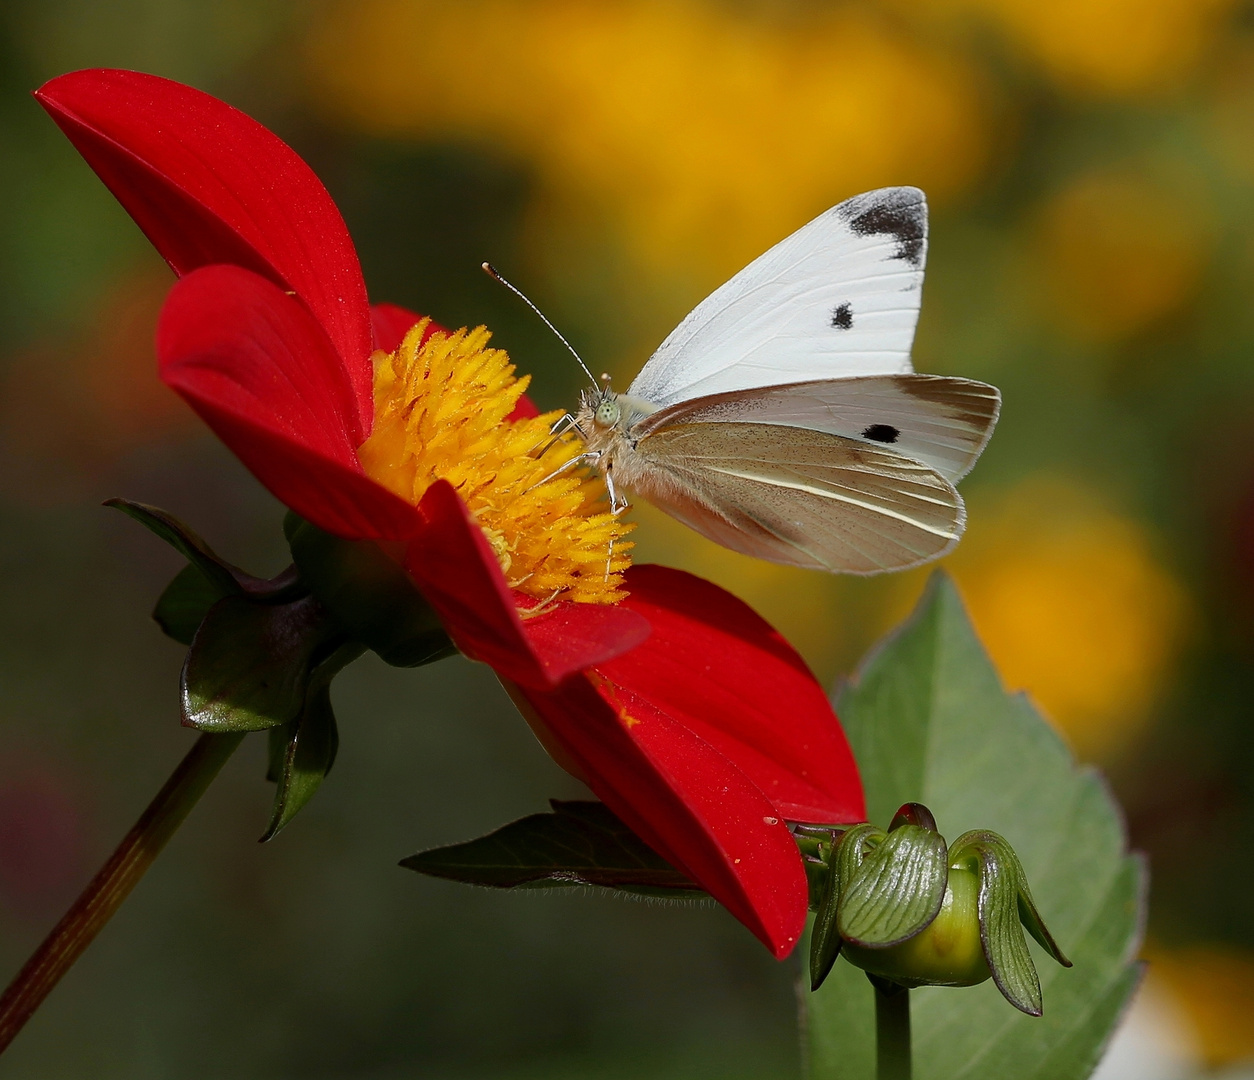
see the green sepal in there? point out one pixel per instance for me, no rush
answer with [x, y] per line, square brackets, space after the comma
[854, 847]
[1035, 925]
[303, 751]
[250, 664]
[1004, 896]
[844, 859]
[579, 844]
[817, 846]
[825, 940]
[301, 755]
[1029, 916]
[185, 602]
[371, 595]
[207, 577]
[896, 891]
[228, 579]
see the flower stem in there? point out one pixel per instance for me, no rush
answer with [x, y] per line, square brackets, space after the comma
[98, 902]
[892, 1035]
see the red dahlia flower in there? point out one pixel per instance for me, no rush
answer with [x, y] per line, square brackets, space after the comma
[683, 711]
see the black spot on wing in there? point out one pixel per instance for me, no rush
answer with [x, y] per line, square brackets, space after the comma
[884, 433]
[842, 317]
[898, 212]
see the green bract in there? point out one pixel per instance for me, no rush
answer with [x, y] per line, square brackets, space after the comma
[262, 653]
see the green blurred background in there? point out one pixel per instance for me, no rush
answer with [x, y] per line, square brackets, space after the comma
[1090, 166]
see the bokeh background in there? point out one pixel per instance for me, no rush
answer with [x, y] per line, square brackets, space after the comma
[1090, 167]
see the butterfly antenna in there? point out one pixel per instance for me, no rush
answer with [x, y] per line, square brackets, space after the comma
[491, 271]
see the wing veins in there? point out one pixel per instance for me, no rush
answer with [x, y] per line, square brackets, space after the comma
[830, 493]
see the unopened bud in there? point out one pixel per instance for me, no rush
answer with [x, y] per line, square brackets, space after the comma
[909, 911]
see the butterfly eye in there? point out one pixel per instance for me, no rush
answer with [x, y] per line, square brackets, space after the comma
[608, 413]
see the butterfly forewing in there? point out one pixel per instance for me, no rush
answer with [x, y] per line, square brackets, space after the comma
[941, 421]
[839, 297]
[796, 496]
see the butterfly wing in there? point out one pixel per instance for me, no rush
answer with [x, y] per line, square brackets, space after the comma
[839, 297]
[940, 421]
[797, 496]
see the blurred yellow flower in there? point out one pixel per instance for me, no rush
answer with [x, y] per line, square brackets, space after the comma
[1102, 47]
[1119, 251]
[704, 133]
[1074, 608]
[1231, 100]
[1215, 986]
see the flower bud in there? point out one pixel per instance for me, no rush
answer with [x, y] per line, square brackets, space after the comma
[946, 952]
[911, 913]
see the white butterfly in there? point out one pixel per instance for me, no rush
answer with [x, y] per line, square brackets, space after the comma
[782, 417]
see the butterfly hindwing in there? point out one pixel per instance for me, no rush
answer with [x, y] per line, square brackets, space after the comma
[941, 421]
[839, 297]
[797, 496]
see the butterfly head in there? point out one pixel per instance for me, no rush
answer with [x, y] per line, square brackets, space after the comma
[608, 411]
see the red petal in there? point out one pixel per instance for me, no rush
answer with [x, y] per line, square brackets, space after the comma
[682, 796]
[524, 409]
[453, 565]
[720, 670]
[391, 323]
[208, 184]
[257, 367]
[229, 335]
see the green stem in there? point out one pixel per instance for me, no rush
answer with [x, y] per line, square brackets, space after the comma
[98, 902]
[892, 1035]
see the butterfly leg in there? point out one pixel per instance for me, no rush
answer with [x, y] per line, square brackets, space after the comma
[618, 505]
[564, 424]
[618, 501]
[591, 457]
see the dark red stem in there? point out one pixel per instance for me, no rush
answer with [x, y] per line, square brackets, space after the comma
[97, 903]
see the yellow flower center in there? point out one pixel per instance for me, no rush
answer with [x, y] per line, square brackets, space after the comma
[440, 414]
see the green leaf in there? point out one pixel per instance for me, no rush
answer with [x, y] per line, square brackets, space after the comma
[250, 663]
[579, 844]
[897, 890]
[301, 755]
[185, 602]
[930, 722]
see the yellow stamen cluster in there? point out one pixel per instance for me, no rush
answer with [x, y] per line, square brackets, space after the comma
[440, 413]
